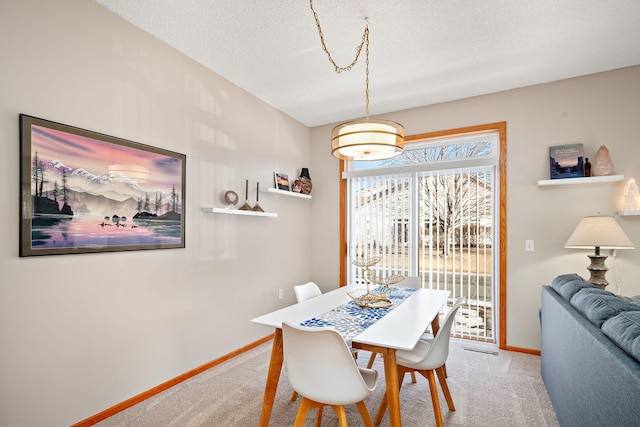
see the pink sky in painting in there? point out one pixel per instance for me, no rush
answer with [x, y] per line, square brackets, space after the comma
[95, 156]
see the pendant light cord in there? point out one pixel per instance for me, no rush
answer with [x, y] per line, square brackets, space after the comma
[364, 43]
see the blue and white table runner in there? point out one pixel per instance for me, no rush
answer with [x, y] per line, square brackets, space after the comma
[349, 319]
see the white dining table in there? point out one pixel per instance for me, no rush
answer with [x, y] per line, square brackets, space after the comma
[400, 329]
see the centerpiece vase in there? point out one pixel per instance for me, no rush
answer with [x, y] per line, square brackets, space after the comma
[305, 181]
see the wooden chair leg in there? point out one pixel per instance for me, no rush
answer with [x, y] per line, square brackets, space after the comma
[445, 388]
[364, 413]
[341, 413]
[430, 376]
[319, 416]
[305, 405]
[431, 379]
[294, 396]
[371, 360]
[413, 377]
[383, 404]
[381, 410]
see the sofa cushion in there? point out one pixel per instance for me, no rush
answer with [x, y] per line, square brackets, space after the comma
[624, 330]
[569, 289]
[596, 290]
[598, 306]
[568, 284]
[563, 278]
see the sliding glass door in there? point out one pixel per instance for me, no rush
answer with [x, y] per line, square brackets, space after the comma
[431, 213]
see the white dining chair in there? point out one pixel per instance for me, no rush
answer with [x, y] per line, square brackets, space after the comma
[306, 291]
[322, 370]
[410, 282]
[427, 356]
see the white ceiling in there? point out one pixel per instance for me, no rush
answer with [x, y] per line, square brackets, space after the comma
[422, 52]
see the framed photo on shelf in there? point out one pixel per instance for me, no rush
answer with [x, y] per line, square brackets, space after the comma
[566, 161]
[281, 181]
[86, 192]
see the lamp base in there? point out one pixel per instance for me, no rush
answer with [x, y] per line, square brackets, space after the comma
[598, 270]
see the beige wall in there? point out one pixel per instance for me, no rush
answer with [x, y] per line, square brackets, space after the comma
[81, 333]
[594, 110]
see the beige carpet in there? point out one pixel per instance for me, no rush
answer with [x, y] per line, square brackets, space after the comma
[488, 390]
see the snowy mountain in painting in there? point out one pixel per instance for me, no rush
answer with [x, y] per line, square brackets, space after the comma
[116, 187]
[96, 179]
[56, 165]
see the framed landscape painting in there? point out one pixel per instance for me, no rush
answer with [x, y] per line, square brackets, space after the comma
[83, 192]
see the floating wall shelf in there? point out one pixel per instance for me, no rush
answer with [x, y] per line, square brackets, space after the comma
[288, 193]
[628, 213]
[230, 211]
[585, 180]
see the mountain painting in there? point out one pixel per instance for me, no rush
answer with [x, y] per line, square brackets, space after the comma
[82, 192]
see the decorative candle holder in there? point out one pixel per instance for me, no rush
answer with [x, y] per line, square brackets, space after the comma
[257, 207]
[246, 206]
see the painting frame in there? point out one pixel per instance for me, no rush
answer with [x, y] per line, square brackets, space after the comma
[79, 190]
[281, 181]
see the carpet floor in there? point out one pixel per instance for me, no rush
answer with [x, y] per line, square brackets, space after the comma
[488, 389]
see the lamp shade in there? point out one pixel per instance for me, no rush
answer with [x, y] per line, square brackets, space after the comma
[371, 139]
[598, 232]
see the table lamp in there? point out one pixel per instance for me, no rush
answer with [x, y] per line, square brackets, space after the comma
[598, 232]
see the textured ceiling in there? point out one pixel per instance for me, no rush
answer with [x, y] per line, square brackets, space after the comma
[422, 52]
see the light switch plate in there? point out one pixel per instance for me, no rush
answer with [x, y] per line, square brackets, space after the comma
[528, 245]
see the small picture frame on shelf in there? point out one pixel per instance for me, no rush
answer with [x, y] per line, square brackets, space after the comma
[566, 161]
[281, 181]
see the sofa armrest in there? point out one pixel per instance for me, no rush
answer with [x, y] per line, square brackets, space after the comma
[589, 379]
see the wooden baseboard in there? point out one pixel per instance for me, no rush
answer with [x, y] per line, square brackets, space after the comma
[522, 350]
[166, 385]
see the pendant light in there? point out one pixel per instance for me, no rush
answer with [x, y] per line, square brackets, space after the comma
[364, 139]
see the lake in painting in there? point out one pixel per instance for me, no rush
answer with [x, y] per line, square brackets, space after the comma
[87, 231]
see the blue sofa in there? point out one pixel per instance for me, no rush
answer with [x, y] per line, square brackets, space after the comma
[590, 353]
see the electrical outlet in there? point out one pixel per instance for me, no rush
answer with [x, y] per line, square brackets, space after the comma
[528, 245]
[280, 293]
